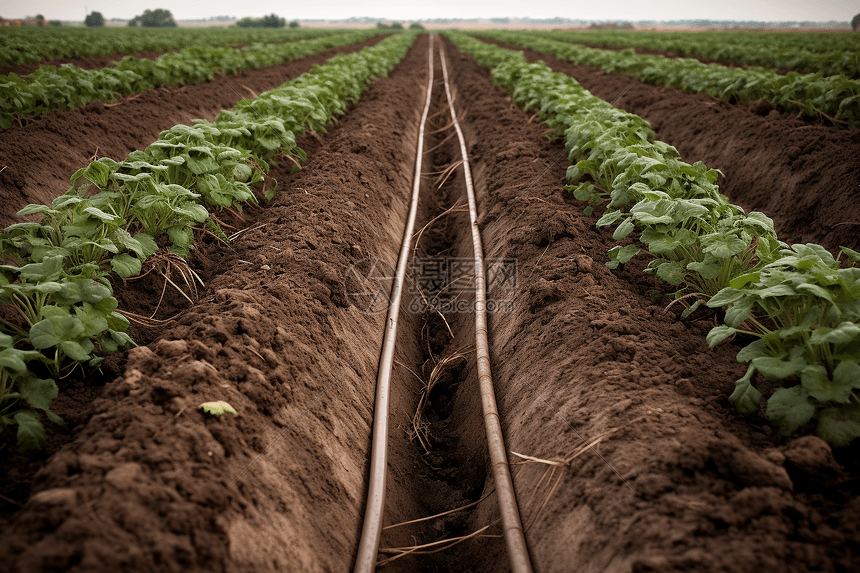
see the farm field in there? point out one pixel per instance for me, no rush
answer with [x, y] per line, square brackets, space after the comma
[52, 88]
[815, 52]
[53, 45]
[140, 478]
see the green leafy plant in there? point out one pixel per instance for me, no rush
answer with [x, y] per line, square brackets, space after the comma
[22, 394]
[31, 44]
[804, 311]
[799, 302]
[64, 315]
[66, 87]
[811, 95]
[827, 54]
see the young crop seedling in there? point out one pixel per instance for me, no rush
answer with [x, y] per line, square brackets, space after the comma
[218, 408]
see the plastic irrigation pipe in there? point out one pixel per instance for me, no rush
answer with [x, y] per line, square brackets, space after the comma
[515, 538]
[368, 545]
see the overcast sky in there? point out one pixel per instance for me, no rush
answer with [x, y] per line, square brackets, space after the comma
[633, 10]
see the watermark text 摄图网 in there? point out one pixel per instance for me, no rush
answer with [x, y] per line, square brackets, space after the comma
[443, 284]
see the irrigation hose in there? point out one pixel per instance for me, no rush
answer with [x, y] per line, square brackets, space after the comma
[368, 545]
[512, 526]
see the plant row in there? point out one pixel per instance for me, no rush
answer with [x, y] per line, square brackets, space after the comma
[54, 89]
[808, 95]
[827, 54]
[30, 44]
[798, 306]
[59, 312]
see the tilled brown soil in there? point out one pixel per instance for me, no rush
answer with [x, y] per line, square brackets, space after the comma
[679, 482]
[805, 176]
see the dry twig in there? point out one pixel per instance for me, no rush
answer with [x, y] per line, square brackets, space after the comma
[420, 427]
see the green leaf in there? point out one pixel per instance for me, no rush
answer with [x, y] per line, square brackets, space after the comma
[818, 384]
[54, 330]
[815, 250]
[718, 334]
[839, 426]
[39, 393]
[66, 202]
[741, 281]
[815, 290]
[31, 433]
[789, 408]
[620, 255]
[93, 318]
[117, 322]
[126, 178]
[218, 408]
[753, 350]
[54, 418]
[48, 270]
[739, 312]
[724, 297]
[847, 373]
[15, 360]
[272, 191]
[150, 247]
[775, 291]
[775, 369]
[851, 254]
[583, 191]
[762, 223]
[687, 312]
[37, 209]
[722, 245]
[708, 269]
[653, 212]
[142, 245]
[623, 229]
[672, 272]
[74, 243]
[125, 265]
[78, 350]
[745, 397]
[608, 218]
[82, 290]
[182, 238]
[98, 213]
[842, 333]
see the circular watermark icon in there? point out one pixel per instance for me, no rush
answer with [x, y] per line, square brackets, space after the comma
[367, 285]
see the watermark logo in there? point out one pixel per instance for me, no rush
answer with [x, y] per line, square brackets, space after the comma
[444, 284]
[368, 284]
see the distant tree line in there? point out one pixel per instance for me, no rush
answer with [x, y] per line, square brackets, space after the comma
[398, 26]
[158, 18]
[270, 21]
[94, 20]
[855, 23]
